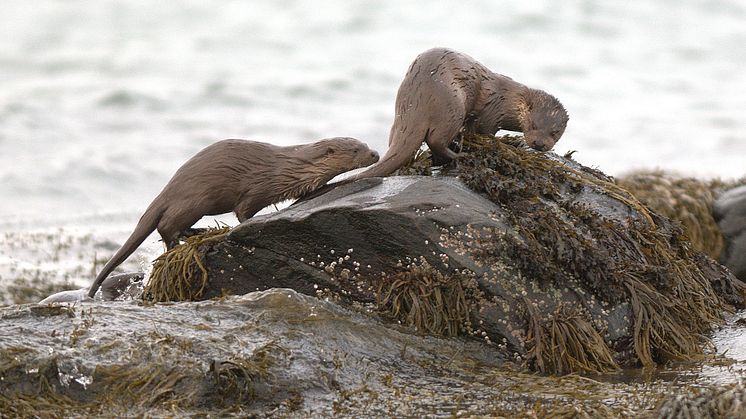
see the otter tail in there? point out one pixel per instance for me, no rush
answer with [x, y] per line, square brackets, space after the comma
[391, 161]
[394, 158]
[148, 222]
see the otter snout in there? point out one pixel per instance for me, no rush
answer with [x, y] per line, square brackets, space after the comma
[368, 158]
[543, 145]
[540, 143]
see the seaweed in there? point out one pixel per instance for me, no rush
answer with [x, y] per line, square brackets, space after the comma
[567, 342]
[422, 297]
[142, 387]
[180, 273]
[713, 402]
[235, 380]
[33, 388]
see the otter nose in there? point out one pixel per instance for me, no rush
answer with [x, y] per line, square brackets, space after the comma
[374, 155]
[542, 145]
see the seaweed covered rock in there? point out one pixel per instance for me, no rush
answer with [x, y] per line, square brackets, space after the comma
[548, 260]
[710, 211]
[683, 199]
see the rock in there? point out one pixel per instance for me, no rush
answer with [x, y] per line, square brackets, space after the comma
[730, 213]
[548, 260]
[279, 353]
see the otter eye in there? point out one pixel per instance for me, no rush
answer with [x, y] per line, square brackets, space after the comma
[329, 150]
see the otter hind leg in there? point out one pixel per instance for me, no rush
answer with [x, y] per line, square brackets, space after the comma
[439, 139]
[246, 209]
[174, 225]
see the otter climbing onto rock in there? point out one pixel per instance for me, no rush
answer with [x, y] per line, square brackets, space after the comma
[445, 91]
[240, 176]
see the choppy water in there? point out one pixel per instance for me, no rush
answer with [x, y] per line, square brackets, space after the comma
[101, 101]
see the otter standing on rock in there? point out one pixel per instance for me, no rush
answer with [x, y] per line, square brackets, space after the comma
[445, 91]
[240, 176]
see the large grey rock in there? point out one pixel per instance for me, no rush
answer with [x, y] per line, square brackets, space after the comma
[350, 243]
[730, 213]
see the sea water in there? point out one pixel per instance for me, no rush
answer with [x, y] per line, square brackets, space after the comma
[101, 101]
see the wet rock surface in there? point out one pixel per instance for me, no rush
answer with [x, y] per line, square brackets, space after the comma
[279, 353]
[730, 213]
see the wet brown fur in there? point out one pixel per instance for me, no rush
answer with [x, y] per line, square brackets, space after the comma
[240, 176]
[445, 91]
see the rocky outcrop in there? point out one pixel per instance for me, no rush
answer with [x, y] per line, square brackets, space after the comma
[549, 261]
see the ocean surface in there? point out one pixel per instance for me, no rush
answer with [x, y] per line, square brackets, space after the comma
[101, 101]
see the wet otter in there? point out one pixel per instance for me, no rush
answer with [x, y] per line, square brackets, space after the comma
[240, 176]
[445, 91]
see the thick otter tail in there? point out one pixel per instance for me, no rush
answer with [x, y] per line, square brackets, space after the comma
[394, 159]
[148, 222]
[402, 151]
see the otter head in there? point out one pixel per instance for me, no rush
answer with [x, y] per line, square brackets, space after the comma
[312, 165]
[333, 156]
[544, 120]
[342, 154]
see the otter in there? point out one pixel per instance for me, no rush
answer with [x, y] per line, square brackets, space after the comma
[240, 176]
[445, 91]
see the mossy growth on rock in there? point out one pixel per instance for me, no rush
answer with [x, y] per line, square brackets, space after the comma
[683, 199]
[180, 273]
[642, 259]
